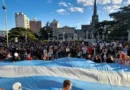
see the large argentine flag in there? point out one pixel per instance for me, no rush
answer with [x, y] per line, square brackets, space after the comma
[49, 75]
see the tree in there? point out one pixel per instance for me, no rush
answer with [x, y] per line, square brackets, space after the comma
[104, 26]
[20, 33]
[46, 32]
[122, 19]
[119, 25]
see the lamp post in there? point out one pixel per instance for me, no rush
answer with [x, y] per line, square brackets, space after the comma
[87, 35]
[57, 36]
[103, 36]
[53, 35]
[128, 34]
[75, 36]
[26, 37]
[92, 36]
[6, 22]
[98, 36]
[128, 28]
[48, 36]
[63, 36]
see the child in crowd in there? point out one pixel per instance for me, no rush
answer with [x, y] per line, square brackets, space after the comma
[127, 61]
[117, 60]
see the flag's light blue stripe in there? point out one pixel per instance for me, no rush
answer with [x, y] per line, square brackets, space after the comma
[55, 83]
[83, 74]
[71, 62]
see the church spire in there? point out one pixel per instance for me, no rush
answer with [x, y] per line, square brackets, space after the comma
[95, 15]
[95, 8]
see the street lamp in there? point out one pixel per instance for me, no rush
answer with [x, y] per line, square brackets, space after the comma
[57, 36]
[48, 36]
[26, 37]
[103, 36]
[98, 36]
[75, 36]
[6, 21]
[87, 35]
[128, 34]
[63, 36]
[54, 34]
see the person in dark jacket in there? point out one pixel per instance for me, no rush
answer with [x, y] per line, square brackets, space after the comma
[97, 59]
[9, 58]
[16, 57]
[110, 59]
[128, 51]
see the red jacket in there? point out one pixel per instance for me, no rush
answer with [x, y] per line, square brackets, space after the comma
[28, 58]
[90, 50]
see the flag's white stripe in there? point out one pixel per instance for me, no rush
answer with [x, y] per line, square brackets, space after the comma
[88, 75]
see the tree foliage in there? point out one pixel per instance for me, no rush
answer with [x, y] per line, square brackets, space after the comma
[105, 26]
[120, 23]
[46, 32]
[122, 19]
[20, 33]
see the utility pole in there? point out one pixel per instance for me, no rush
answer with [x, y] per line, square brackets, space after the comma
[6, 22]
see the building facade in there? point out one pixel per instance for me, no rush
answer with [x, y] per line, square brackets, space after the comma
[22, 20]
[80, 34]
[35, 25]
[65, 33]
[89, 30]
[54, 24]
[2, 33]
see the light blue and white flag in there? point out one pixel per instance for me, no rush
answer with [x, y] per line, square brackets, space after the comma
[49, 75]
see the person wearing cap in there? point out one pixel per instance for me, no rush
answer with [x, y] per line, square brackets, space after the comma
[16, 57]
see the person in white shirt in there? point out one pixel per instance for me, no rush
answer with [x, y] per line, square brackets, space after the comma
[67, 51]
[127, 63]
[50, 54]
[79, 54]
[84, 50]
[44, 51]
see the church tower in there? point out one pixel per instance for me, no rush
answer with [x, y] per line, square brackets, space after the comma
[95, 16]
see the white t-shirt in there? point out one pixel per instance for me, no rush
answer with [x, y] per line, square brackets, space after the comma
[105, 57]
[127, 63]
[44, 51]
[84, 49]
[67, 50]
[79, 54]
[49, 54]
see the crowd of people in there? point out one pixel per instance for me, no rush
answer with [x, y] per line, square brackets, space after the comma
[114, 52]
